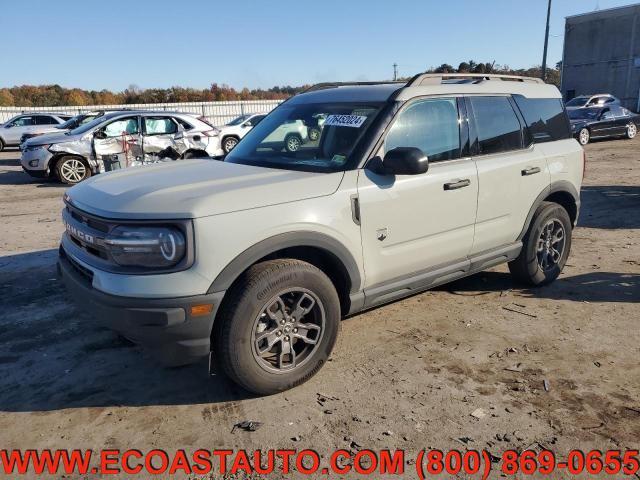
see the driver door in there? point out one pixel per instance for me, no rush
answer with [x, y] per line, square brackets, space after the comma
[413, 224]
[118, 143]
[17, 128]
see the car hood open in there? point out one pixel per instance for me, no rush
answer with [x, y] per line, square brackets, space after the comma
[195, 188]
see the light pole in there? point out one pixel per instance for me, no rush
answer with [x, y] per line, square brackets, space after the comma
[546, 44]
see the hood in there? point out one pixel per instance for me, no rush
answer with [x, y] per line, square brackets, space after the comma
[48, 138]
[195, 188]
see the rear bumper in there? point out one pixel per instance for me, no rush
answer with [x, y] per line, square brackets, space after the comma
[164, 326]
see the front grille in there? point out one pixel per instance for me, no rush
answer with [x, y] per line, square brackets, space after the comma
[86, 231]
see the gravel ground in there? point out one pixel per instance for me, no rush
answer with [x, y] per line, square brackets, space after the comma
[407, 375]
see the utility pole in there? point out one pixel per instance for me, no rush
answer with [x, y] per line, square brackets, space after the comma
[546, 44]
[395, 71]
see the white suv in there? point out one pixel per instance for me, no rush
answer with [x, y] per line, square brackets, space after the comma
[290, 135]
[255, 260]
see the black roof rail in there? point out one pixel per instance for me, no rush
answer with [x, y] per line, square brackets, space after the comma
[321, 86]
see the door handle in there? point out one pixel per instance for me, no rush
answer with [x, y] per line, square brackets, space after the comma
[530, 171]
[457, 184]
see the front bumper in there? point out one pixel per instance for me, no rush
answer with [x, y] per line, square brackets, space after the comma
[36, 162]
[164, 326]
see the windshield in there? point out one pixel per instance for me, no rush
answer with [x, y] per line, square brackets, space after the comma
[577, 102]
[89, 125]
[238, 121]
[584, 114]
[308, 137]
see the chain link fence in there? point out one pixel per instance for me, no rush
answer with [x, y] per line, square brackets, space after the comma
[217, 113]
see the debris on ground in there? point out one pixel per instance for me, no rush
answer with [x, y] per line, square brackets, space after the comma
[297, 438]
[545, 384]
[478, 413]
[520, 311]
[514, 368]
[247, 426]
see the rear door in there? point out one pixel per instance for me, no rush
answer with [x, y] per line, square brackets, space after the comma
[605, 124]
[159, 138]
[512, 170]
[621, 120]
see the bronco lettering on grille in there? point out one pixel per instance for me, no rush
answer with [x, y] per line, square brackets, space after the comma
[79, 234]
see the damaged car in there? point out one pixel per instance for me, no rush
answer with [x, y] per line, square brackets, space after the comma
[119, 140]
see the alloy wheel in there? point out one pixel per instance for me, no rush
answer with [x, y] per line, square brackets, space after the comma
[551, 244]
[229, 144]
[293, 144]
[288, 330]
[632, 130]
[584, 136]
[73, 170]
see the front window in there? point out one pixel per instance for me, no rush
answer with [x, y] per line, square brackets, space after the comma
[314, 137]
[578, 102]
[123, 126]
[23, 122]
[92, 124]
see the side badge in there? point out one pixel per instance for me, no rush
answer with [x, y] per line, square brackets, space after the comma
[382, 234]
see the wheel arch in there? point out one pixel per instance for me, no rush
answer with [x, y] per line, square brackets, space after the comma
[197, 151]
[318, 249]
[561, 192]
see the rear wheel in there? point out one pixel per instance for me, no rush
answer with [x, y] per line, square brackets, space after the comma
[278, 326]
[632, 130]
[314, 134]
[229, 144]
[1, 145]
[545, 247]
[584, 136]
[72, 170]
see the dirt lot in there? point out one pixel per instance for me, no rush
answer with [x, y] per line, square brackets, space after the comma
[407, 375]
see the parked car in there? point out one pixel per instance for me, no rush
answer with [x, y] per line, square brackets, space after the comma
[236, 129]
[73, 122]
[254, 260]
[117, 140]
[586, 101]
[603, 122]
[12, 130]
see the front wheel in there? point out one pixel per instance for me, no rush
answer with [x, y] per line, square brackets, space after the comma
[72, 170]
[278, 326]
[632, 130]
[545, 246]
[1, 145]
[292, 143]
[584, 136]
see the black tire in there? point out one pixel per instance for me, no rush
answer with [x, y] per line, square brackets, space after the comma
[195, 154]
[632, 131]
[528, 267]
[1, 145]
[229, 143]
[244, 313]
[72, 162]
[314, 134]
[584, 136]
[292, 142]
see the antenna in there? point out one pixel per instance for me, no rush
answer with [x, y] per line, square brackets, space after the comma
[395, 72]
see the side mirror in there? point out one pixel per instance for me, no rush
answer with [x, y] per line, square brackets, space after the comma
[405, 161]
[99, 134]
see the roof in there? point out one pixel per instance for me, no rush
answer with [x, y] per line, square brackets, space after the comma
[429, 84]
[369, 92]
[612, 10]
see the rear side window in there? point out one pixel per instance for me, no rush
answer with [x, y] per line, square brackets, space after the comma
[46, 120]
[545, 118]
[159, 126]
[430, 125]
[497, 125]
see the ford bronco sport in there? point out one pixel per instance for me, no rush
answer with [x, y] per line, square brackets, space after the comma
[253, 261]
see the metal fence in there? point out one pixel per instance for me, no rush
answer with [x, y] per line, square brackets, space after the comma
[218, 113]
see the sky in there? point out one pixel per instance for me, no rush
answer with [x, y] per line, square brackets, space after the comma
[261, 43]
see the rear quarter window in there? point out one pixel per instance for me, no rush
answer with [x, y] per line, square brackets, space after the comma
[545, 118]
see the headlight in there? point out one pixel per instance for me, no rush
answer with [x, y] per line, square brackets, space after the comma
[139, 246]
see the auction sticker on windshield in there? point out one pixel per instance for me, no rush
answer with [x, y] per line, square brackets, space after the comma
[354, 121]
